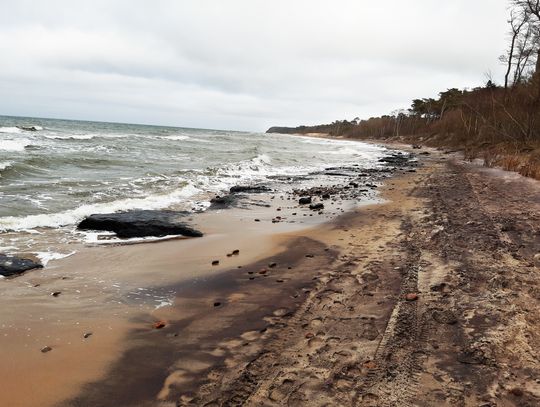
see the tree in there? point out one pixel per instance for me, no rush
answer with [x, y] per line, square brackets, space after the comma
[530, 9]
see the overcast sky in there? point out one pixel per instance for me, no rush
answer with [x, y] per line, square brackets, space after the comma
[240, 64]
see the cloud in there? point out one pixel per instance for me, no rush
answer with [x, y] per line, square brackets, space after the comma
[240, 64]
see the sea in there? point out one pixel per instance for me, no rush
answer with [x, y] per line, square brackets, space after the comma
[53, 173]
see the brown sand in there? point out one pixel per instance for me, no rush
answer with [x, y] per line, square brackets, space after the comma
[429, 299]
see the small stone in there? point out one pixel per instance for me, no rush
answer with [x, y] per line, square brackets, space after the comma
[370, 364]
[280, 281]
[263, 271]
[411, 297]
[310, 255]
[229, 254]
[236, 252]
[272, 265]
[159, 324]
[316, 207]
[215, 262]
[309, 335]
[257, 220]
[87, 335]
[56, 293]
[517, 392]
[217, 304]
[536, 260]
[304, 200]
[46, 349]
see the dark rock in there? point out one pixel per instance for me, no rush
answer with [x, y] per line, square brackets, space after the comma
[46, 349]
[236, 252]
[56, 293]
[325, 196]
[517, 392]
[397, 160]
[140, 223]
[28, 128]
[304, 200]
[217, 304]
[215, 262]
[223, 202]
[87, 335]
[272, 265]
[316, 207]
[253, 189]
[11, 265]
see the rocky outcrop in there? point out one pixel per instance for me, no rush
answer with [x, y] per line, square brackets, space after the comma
[248, 189]
[223, 202]
[12, 266]
[140, 223]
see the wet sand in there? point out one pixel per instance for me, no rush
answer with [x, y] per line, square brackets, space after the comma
[429, 299]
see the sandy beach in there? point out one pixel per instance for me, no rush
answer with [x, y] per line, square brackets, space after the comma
[429, 297]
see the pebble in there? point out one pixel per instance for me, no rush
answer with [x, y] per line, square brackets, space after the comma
[517, 392]
[46, 349]
[56, 293]
[272, 265]
[159, 324]
[536, 260]
[411, 297]
[236, 252]
[217, 304]
[215, 262]
[87, 335]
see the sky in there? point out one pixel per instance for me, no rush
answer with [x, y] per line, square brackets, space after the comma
[241, 64]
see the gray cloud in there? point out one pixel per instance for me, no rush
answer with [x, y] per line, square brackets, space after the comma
[240, 64]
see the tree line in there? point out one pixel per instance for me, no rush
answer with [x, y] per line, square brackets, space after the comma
[497, 123]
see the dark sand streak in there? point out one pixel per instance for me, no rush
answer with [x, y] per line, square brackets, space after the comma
[138, 376]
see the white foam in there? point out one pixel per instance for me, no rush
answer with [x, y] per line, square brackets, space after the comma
[109, 238]
[10, 130]
[14, 145]
[73, 216]
[46, 257]
[164, 303]
[175, 138]
[5, 164]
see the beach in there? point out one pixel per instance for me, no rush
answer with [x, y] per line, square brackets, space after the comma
[423, 294]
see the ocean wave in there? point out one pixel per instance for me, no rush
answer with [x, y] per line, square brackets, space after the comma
[14, 145]
[10, 130]
[174, 138]
[73, 216]
[71, 137]
[5, 165]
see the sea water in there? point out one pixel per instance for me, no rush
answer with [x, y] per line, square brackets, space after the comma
[64, 170]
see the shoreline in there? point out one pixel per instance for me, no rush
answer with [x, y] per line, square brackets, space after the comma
[325, 330]
[125, 290]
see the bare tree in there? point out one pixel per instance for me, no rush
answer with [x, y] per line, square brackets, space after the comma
[531, 8]
[517, 21]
